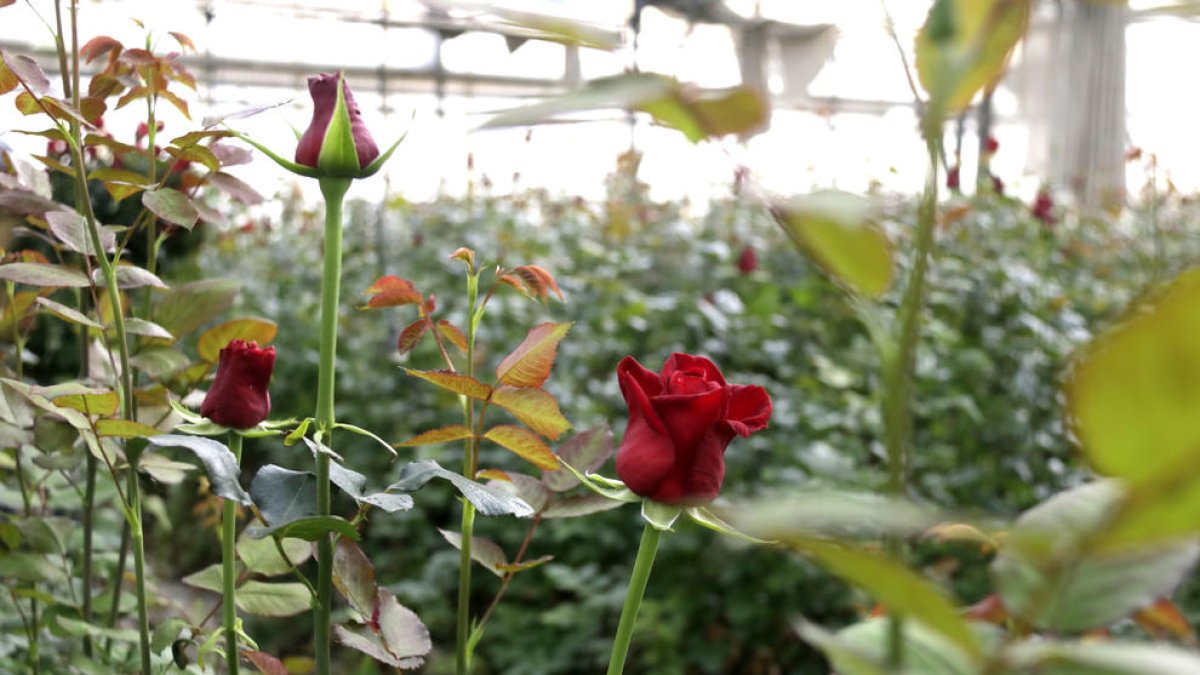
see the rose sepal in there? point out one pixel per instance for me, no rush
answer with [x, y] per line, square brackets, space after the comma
[197, 425]
[660, 516]
[705, 517]
[374, 167]
[289, 165]
[601, 485]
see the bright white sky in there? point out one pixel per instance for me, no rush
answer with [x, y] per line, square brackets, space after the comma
[800, 151]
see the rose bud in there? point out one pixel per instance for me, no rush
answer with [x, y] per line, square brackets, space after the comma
[1043, 207]
[238, 397]
[337, 141]
[680, 422]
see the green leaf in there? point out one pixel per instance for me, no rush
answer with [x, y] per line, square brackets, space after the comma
[77, 628]
[1096, 657]
[900, 589]
[354, 577]
[22, 566]
[172, 206]
[71, 229]
[964, 47]
[535, 407]
[213, 340]
[835, 230]
[261, 556]
[160, 363]
[526, 488]
[630, 90]
[283, 495]
[311, 528]
[210, 578]
[861, 648]
[67, 313]
[575, 506]
[189, 306]
[483, 551]
[588, 450]
[166, 632]
[131, 276]
[1046, 575]
[489, 502]
[524, 443]
[44, 274]
[354, 484]
[838, 514]
[259, 598]
[219, 464]
[136, 326]
[529, 364]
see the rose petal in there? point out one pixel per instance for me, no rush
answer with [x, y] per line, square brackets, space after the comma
[688, 417]
[749, 409]
[704, 477]
[647, 453]
[679, 361]
[647, 380]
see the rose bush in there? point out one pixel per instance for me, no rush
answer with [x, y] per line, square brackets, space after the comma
[238, 397]
[680, 422]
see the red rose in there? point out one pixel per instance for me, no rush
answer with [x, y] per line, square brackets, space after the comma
[952, 180]
[680, 422]
[1043, 207]
[313, 145]
[238, 397]
[748, 260]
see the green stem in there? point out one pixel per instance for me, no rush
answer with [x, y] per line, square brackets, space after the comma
[633, 598]
[470, 460]
[229, 566]
[334, 190]
[897, 403]
[125, 383]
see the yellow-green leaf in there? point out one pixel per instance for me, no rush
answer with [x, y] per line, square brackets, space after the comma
[125, 429]
[530, 363]
[835, 229]
[535, 407]
[213, 340]
[964, 47]
[1134, 392]
[101, 405]
[524, 443]
[454, 432]
[455, 382]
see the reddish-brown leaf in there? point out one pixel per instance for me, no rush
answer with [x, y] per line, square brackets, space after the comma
[990, 610]
[1163, 619]
[411, 335]
[138, 57]
[464, 254]
[455, 382]
[98, 46]
[180, 104]
[266, 664]
[530, 363]
[391, 291]
[234, 186]
[539, 280]
[27, 70]
[453, 334]
[524, 443]
[454, 432]
[515, 282]
[535, 407]
[184, 41]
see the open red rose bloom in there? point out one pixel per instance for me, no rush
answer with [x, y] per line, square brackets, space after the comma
[238, 398]
[680, 422]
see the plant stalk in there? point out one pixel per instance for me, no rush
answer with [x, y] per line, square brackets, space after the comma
[229, 566]
[633, 598]
[334, 190]
[470, 460]
[897, 404]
